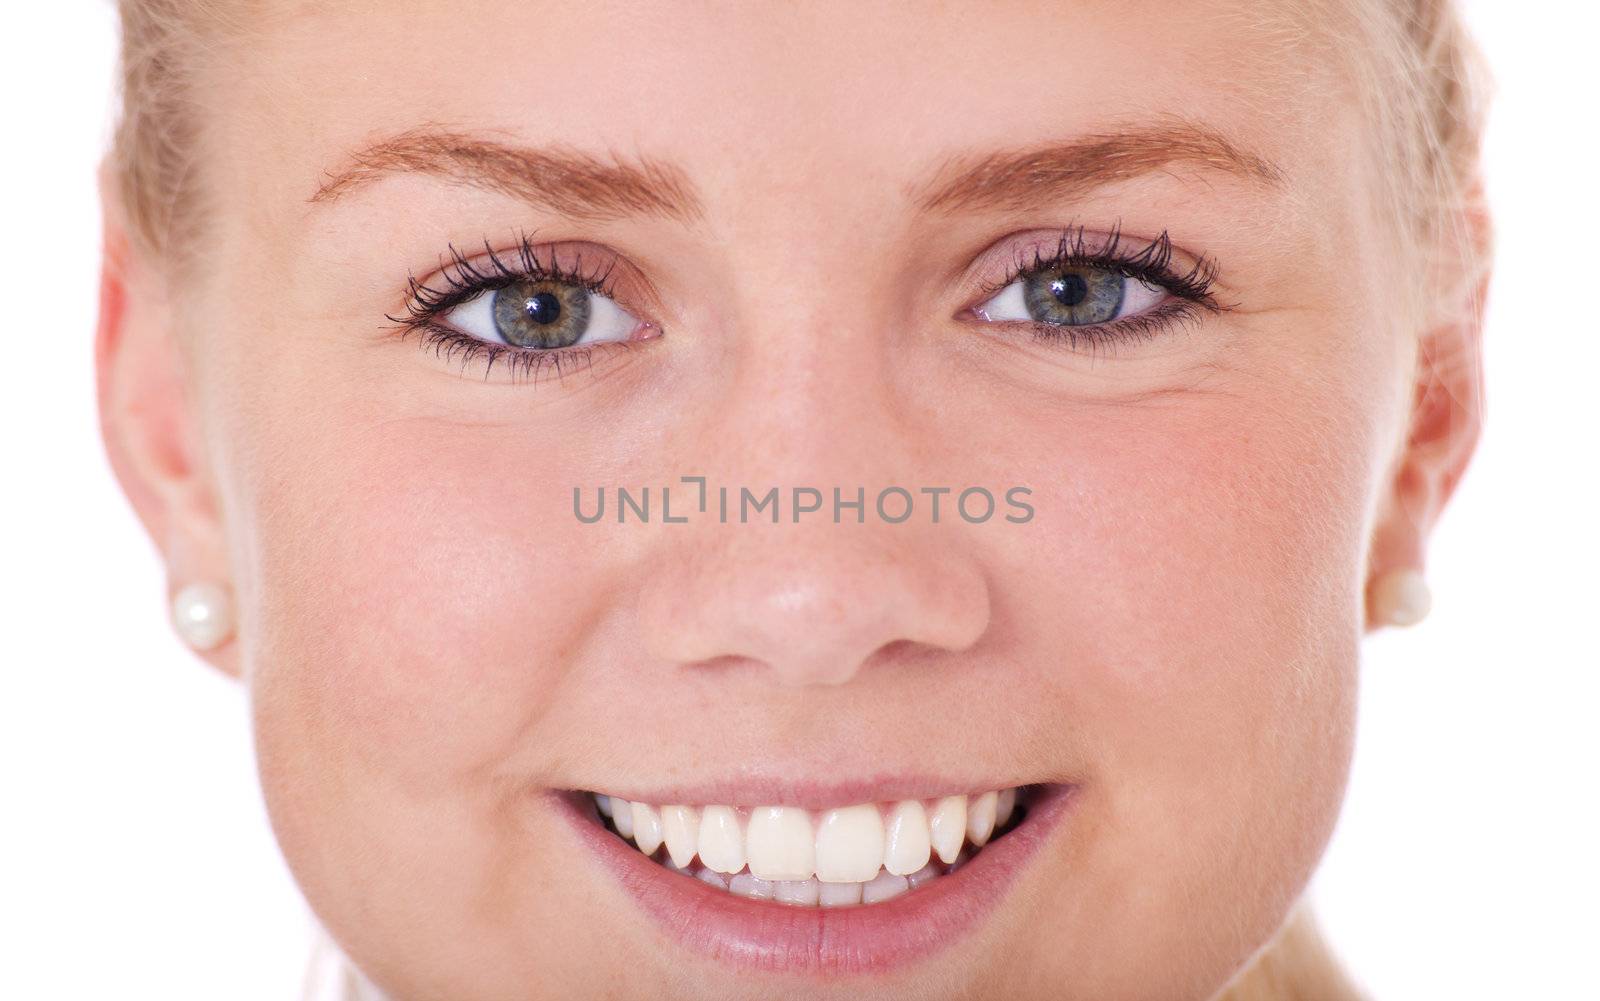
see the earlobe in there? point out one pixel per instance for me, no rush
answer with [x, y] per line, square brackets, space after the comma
[146, 420]
[1444, 425]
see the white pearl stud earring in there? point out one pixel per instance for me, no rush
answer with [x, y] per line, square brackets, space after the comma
[203, 615]
[1401, 597]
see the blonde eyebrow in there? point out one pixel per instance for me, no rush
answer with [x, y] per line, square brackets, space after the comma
[584, 186]
[573, 183]
[1024, 177]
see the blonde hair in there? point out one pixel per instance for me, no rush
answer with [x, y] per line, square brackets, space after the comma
[155, 132]
[1428, 92]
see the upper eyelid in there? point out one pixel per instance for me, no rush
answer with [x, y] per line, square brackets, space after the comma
[1077, 243]
[525, 262]
[462, 278]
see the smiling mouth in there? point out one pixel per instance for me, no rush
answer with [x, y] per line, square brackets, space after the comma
[862, 854]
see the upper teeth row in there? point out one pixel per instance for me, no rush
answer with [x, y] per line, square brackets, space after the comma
[843, 845]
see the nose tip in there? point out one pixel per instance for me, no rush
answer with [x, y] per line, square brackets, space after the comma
[814, 614]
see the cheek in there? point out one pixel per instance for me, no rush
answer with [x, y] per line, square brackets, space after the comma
[420, 579]
[1191, 608]
[1218, 614]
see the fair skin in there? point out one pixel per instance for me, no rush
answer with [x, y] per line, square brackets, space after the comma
[436, 649]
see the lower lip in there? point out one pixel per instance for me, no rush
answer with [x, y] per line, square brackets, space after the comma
[867, 938]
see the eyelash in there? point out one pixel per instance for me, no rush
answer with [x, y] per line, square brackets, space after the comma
[463, 279]
[1153, 265]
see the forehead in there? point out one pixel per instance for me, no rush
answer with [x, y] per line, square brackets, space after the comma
[774, 96]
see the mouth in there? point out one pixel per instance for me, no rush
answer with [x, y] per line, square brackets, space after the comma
[858, 887]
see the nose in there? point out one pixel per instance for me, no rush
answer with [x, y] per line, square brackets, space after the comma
[813, 603]
[815, 596]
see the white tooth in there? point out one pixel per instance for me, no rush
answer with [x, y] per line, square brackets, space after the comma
[779, 843]
[905, 838]
[712, 878]
[947, 826]
[1004, 805]
[680, 829]
[883, 887]
[980, 818]
[746, 885]
[922, 875]
[850, 844]
[797, 891]
[721, 841]
[838, 894]
[602, 802]
[646, 828]
[622, 816]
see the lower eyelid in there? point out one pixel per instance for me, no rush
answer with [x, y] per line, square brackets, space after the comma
[524, 365]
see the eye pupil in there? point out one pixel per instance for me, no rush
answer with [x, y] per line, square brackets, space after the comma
[1070, 290]
[542, 308]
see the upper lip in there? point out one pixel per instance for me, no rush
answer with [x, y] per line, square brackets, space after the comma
[808, 793]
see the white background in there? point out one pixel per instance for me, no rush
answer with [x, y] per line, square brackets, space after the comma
[135, 857]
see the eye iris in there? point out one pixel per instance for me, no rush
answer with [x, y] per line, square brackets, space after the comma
[541, 314]
[1074, 296]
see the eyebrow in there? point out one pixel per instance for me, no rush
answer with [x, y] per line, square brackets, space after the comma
[584, 186]
[575, 184]
[1024, 177]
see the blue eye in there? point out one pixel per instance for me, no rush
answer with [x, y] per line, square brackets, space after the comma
[542, 314]
[1072, 296]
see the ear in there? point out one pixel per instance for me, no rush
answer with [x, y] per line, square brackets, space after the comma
[1447, 408]
[147, 419]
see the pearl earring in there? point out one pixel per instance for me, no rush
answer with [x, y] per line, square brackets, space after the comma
[1401, 597]
[203, 615]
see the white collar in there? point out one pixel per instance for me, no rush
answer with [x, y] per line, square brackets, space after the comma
[331, 976]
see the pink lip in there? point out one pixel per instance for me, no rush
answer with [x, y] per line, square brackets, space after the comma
[811, 795]
[872, 938]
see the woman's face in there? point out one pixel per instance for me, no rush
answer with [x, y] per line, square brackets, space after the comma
[805, 220]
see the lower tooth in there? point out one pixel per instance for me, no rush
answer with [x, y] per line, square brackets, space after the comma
[922, 875]
[884, 886]
[796, 891]
[712, 878]
[746, 885]
[816, 892]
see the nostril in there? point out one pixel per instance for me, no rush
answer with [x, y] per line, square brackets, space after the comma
[814, 605]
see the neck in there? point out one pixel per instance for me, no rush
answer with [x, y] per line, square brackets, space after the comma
[1295, 966]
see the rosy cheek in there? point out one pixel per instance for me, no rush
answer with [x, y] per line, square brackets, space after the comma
[449, 577]
[1175, 567]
